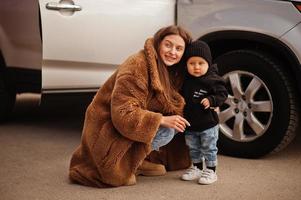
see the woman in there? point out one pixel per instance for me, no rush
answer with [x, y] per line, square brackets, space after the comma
[136, 111]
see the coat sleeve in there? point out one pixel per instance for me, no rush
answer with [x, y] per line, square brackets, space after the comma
[219, 94]
[128, 109]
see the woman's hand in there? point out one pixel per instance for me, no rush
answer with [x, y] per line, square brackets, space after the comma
[175, 121]
[206, 103]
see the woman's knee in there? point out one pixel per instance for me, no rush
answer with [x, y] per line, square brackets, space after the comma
[163, 137]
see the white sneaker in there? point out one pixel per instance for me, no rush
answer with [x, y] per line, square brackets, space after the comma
[191, 173]
[208, 176]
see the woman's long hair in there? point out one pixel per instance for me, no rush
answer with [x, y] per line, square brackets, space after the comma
[171, 77]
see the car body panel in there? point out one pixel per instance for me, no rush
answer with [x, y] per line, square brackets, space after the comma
[20, 41]
[292, 39]
[92, 42]
[273, 18]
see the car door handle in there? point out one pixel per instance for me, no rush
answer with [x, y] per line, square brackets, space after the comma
[58, 6]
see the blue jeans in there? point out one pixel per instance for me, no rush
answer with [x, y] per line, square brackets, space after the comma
[163, 137]
[203, 145]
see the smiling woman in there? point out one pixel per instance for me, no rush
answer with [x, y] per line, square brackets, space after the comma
[137, 110]
[172, 49]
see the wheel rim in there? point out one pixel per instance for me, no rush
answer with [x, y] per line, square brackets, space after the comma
[247, 112]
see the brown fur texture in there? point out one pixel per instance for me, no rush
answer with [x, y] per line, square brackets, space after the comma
[121, 122]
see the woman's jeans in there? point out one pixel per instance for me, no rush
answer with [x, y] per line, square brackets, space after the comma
[163, 137]
[203, 145]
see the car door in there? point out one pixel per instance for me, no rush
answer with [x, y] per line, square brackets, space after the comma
[85, 40]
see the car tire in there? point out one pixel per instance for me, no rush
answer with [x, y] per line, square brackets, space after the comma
[260, 114]
[7, 96]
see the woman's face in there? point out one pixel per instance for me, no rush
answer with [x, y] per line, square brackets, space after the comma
[197, 66]
[171, 49]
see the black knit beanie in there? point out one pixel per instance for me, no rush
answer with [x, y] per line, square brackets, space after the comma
[200, 49]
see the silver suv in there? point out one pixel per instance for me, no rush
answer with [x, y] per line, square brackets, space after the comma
[52, 46]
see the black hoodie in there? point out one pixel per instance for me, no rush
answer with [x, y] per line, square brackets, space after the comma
[194, 89]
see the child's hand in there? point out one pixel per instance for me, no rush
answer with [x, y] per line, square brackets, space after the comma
[205, 103]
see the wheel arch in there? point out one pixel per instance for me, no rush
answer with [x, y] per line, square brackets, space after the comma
[224, 41]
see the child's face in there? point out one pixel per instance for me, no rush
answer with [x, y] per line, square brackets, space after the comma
[197, 66]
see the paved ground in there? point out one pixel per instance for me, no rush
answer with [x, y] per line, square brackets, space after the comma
[36, 147]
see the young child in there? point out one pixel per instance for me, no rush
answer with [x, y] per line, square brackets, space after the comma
[203, 90]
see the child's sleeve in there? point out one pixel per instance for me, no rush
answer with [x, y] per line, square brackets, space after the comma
[219, 93]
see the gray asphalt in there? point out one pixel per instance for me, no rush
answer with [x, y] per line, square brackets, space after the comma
[36, 145]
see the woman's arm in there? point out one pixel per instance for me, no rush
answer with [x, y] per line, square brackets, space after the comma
[128, 109]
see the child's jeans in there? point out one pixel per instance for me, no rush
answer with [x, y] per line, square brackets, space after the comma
[163, 137]
[203, 145]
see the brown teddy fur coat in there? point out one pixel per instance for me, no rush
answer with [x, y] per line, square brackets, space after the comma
[121, 122]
